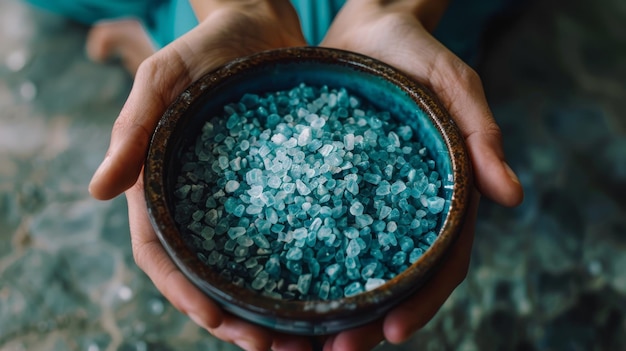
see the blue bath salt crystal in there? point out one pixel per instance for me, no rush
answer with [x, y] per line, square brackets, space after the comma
[353, 249]
[406, 244]
[240, 251]
[325, 254]
[384, 188]
[361, 241]
[369, 270]
[351, 233]
[304, 283]
[236, 232]
[254, 209]
[294, 266]
[398, 258]
[261, 241]
[415, 254]
[230, 245]
[300, 233]
[352, 289]
[429, 238]
[373, 283]
[333, 271]
[308, 193]
[316, 224]
[353, 273]
[239, 210]
[351, 262]
[363, 220]
[324, 290]
[435, 204]
[245, 241]
[397, 187]
[294, 254]
[385, 211]
[387, 239]
[356, 209]
[273, 266]
[314, 268]
[259, 281]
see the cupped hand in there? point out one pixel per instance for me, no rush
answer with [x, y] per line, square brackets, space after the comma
[227, 32]
[401, 38]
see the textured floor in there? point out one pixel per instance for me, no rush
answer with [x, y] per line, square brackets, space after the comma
[549, 275]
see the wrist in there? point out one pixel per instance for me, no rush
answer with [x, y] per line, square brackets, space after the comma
[428, 12]
[204, 8]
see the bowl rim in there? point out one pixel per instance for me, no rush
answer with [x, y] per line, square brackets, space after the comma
[394, 290]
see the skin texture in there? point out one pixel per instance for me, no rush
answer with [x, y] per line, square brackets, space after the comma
[390, 31]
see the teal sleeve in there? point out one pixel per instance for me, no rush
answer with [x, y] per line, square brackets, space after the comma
[316, 17]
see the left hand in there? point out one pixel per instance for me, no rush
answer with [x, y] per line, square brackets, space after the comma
[400, 37]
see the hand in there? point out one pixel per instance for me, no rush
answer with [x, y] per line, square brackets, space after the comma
[398, 35]
[226, 31]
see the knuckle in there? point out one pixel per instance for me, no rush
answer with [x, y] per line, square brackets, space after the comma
[493, 130]
[149, 67]
[454, 76]
[468, 76]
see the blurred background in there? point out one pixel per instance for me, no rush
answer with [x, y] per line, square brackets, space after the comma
[548, 275]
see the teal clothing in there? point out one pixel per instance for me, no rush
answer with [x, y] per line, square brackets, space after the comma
[316, 17]
[165, 20]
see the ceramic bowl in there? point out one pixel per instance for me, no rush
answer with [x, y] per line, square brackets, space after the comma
[381, 85]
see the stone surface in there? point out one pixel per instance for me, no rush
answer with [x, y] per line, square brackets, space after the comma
[548, 275]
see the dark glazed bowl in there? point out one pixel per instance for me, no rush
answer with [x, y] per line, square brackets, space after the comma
[379, 84]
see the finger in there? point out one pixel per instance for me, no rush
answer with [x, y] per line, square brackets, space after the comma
[358, 339]
[154, 261]
[159, 79]
[245, 335]
[284, 342]
[413, 314]
[460, 89]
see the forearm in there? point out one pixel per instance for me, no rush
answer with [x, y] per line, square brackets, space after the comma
[277, 8]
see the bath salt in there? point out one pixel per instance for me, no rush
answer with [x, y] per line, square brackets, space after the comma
[308, 194]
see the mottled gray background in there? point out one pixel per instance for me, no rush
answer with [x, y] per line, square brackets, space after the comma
[549, 275]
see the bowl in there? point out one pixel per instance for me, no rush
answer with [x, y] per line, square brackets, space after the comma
[377, 84]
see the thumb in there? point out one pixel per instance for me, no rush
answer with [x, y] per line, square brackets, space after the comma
[158, 80]
[460, 89]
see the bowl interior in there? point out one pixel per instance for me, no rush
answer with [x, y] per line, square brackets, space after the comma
[376, 83]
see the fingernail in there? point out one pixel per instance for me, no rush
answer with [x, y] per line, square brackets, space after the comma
[512, 174]
[199, 322]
